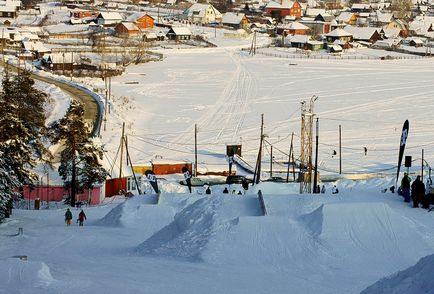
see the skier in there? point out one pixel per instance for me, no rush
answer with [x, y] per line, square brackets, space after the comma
[417, 191]
[68, 217]
[81, 218]
[405, 187]
[366, 150]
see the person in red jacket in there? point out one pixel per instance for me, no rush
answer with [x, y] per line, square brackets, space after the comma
[81, 218]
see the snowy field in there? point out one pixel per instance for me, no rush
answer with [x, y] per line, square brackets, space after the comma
[224, 91]
[192, 243]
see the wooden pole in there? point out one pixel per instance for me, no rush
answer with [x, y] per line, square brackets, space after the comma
[122, 149]
[315, 175]
[289, 158]
[257, 175]
[195, 150]
[340, 149]
[271, 161]
[421, 172]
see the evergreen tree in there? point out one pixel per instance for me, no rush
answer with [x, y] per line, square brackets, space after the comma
[79, 167]
[21, 131]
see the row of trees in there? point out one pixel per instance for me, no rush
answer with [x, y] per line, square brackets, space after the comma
[24, 138]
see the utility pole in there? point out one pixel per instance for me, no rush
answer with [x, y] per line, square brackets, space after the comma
[72, 64]
[63, 64]
[257, 174]
[421, 172]
[307, 114]
[340, 149]
[289, 159]
[195, 150]
[315, 176]
[122, 150]
[271, 161]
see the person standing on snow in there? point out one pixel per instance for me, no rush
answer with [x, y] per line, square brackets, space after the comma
[417, 191]
[68, 217]
[405, 187]
[81, 218]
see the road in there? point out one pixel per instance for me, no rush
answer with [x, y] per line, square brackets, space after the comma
[92, 111]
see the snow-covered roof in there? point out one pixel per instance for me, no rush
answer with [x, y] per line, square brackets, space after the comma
[315, 11]
[294, 26]
[232, 18]
[130, 26]
[199, 9]
[8, 8]
[35, 46]
[285, 4]
[136, 16]
[298, 38]
[383, 17]
[391, 33]
[339, 33]
[181, 30]
[344, 16]
[360, 6]
[110, 15]
[362, 33]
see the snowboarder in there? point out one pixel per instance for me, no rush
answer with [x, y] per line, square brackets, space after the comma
[335, 190]
[366, 150]
[208, 190]
[323, 189]
[81, 218]
[187, 177]
[334, 153]
[231, 160]
[226, 191]
[68, 217]
[245, 185]
[392, 189]
[417, 191]
[405, 187]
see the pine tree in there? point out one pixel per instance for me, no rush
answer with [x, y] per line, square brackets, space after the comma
[79, 167]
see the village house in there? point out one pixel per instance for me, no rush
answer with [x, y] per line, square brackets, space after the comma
[365, 34]
[179, 34]
[361, 8]
[202, 13]
[58, 61]
[142, 20]
[399, 24]
[281, 8]
[235, 20]
[339, 34]
[8, 12]
[109, 18]
[347, 18]
[80, 13]
[294, 28]
[128, 29]
[36, 48]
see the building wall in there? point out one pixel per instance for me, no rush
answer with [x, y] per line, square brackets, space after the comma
[145, 22]
[58, 193]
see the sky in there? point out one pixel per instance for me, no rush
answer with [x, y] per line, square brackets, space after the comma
[358, 240]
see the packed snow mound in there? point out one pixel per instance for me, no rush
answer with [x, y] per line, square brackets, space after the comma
[134, 210]
[189, 233]
[36, 275]
[365, 231]
[414, 280]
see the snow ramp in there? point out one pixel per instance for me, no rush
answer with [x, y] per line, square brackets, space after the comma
[193, 227]
[364, 234]
[135, 211]
[414, 280]
[26, 277]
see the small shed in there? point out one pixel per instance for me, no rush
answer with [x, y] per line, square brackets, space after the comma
[127, 29]
[179, 34]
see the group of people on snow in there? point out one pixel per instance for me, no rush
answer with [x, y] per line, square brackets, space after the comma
[417, 191]
[80, 220]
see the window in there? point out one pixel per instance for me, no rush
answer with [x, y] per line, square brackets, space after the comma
[131, 184]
